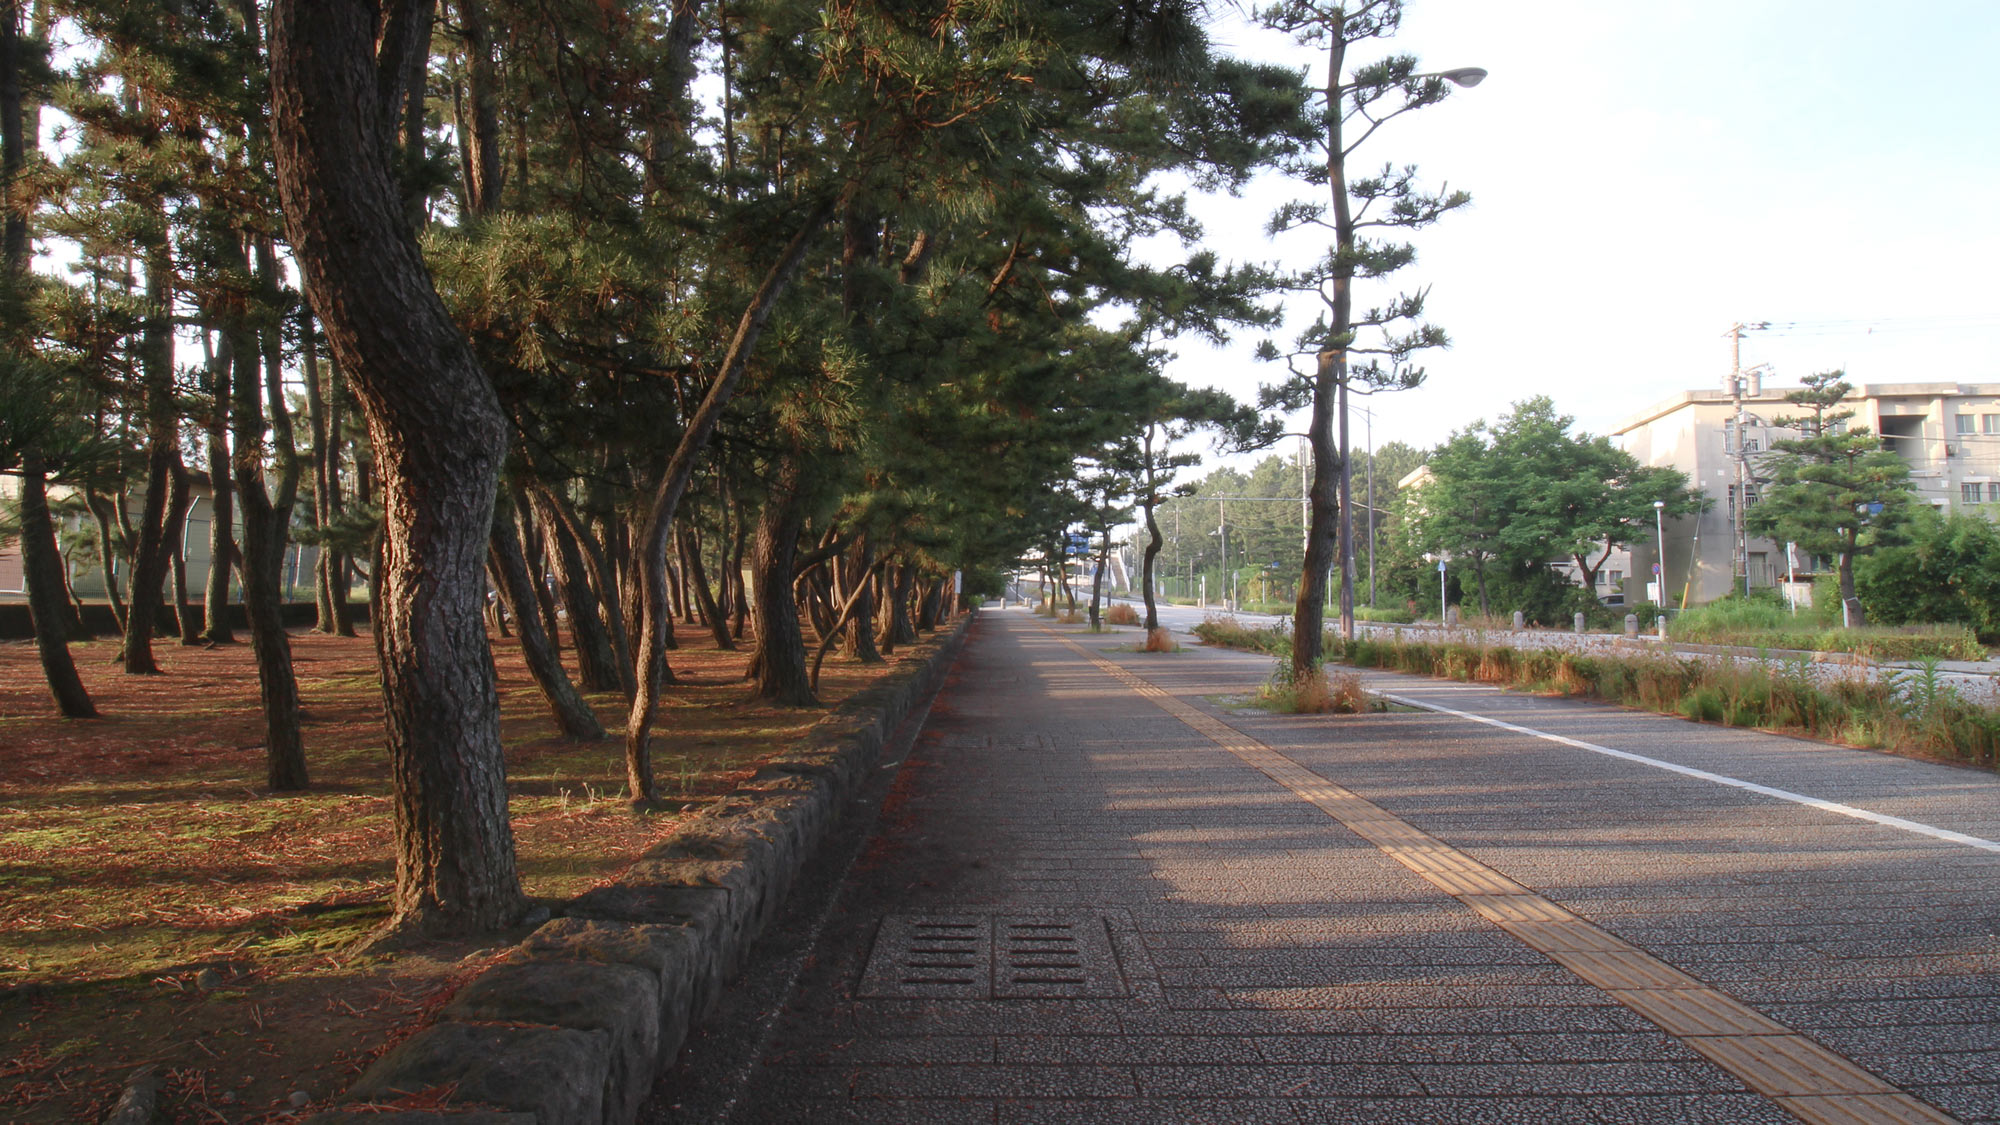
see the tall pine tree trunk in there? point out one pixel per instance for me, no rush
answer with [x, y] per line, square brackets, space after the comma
[436, 429]
[41, 556]
[859, 598]
[596, 660]
[572, 715]
[263, 550]
[149, 553]
[216, 629]
[179, 501]
[652, 543]
[41, 565]
[711, 610]
[778, 666]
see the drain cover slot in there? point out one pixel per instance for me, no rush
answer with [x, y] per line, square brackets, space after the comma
[944, 956]
[1054, 956]
[975, 956]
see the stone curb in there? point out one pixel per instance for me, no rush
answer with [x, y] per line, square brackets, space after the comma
[572, 1026]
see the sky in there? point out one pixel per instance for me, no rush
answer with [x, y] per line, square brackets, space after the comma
[1644, 175]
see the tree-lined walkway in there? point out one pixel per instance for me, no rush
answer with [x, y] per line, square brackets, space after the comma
[1097, 894]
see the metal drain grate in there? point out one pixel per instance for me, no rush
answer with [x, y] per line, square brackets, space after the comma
[1060, 956]
[977, 957]
[947, 956]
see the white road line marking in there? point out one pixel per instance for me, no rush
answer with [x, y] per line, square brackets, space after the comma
[1884, 819]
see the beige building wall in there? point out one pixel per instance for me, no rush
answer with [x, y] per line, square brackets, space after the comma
[1949, 433]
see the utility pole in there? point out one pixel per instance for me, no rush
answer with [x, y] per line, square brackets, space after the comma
[1740, 545]
[1368, 422]
[1222, 529]
[1305, 495]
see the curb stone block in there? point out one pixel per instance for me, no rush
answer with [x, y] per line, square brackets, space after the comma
[628, 967]
[806, 806]
[673, 956]
[619, 1000]
[555, 1073]
[704, 911]
[741, 883]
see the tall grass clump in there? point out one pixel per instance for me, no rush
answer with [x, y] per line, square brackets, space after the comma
[1160, 640]
[1764, 622]
[1224, 631]
[1916, 711]
[1319, 692]
[1121, 613]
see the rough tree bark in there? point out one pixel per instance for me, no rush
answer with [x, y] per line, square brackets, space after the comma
[778, 666]
[41, 563]
[855, 570]
[436, 430]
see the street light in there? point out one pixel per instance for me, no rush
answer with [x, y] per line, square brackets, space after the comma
[1466, 76]
[1660, 554]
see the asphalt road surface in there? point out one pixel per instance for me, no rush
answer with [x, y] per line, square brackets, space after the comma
[1099, 888]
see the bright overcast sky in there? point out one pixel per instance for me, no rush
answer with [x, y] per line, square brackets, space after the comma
[1643, 175]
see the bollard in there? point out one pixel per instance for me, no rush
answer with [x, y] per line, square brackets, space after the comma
[1632, 625]
[1520, 621]
[1663, 626]
[1451, 617]
[1579, 624]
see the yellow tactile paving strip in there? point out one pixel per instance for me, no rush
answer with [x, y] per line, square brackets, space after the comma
[1811, 1082]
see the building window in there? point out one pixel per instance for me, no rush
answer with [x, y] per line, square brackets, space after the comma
[1989, 423]
[1968, 493]
[1993, 492]
[1964, 423]
[1615, 578]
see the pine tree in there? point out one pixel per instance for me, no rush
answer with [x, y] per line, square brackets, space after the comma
[1833, 486]
[1385, 336]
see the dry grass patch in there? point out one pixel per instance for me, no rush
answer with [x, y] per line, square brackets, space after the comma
[1121, 613]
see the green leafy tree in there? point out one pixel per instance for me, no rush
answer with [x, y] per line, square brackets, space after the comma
[1576, 495]
[1939, 568]
[1526, 492]
[1463, 510]
[1834, 486]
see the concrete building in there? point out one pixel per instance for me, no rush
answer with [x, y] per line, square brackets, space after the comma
[88, 581]
[1949, 433]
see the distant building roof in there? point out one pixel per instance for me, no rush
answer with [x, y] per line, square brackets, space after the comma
[1776, 395]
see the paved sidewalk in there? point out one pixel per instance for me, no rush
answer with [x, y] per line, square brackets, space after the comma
[1097, 895]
